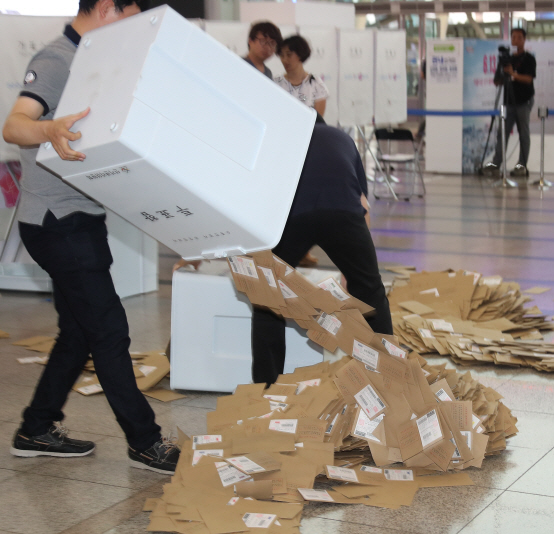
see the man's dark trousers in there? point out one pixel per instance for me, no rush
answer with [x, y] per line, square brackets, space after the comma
[74, 251]
[345, 238]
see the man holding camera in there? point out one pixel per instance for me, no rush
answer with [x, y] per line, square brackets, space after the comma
[517, 75]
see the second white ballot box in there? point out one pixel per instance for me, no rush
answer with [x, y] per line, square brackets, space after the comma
[184, 139]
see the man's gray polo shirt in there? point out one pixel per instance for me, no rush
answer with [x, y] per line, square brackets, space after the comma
[41, 191]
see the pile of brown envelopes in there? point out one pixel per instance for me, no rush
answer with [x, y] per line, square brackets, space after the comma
[371, 428]
[473, 319]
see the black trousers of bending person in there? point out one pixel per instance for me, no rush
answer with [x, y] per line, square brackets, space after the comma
[345, 238]
[74, 251]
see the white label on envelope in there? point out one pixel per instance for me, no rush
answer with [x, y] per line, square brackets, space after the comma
[329, 323]
[468, 436]
[33, 359]
[342, 473]
[276, 405]
[246, 465]
[268, 273]
[146, 369]
[203, 440]
[393, 349]
[425, 373]
[333, 288]
[245, 266]
[425, 333]
[230, 475]
[399, 474]
[369, 469]
[212, 452]
[441, 325]
[443, 396]
[365, 354]
[315, 495]
[90, 390]
[370, 402]
[365, 426]
[456, 454]
[233, 501]
[286, 291]
[284, 425]
[433, 291]
[330, 427]
[429, 428]
[307, 383]
[258, 520]
[276, 398]
[475, 420]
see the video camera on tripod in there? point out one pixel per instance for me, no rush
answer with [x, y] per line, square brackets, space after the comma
[504, 56]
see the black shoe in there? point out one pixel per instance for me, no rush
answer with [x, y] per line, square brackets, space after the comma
[54, 443]
[162, 457]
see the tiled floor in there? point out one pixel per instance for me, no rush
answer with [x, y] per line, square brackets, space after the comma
[460, 224]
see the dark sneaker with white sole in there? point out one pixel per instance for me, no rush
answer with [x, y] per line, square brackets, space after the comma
[519, 171]
[54, 443]
[162, 457]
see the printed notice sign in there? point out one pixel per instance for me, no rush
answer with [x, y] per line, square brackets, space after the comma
[429, 428]
[370, 402]
[329, 323]
[334, 288]
[245, 266]
[365, 354]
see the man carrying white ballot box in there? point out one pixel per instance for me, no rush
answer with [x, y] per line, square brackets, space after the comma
[330, 209]
[65, 233]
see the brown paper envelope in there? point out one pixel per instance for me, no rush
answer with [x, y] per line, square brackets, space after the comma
[278, 481]
[270, 442]
[256, 489]
[164, 395]
[150, 504]
[441, 453]
[222, 519]
[27, 342]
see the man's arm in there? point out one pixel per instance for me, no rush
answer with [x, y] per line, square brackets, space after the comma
[319, 106]
[23, 127]
[516, 76]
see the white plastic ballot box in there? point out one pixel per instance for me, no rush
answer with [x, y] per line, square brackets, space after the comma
[211, 333]
[185, 139]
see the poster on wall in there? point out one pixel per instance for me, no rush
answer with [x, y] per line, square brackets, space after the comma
[391, 98]
[480, 61]
[234, 35]
[356, 77]
[20, 39]
[324, 62]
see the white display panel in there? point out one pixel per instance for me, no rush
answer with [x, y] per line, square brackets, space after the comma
[391, 98]
[211, 335]
[185, 140]
[356, 51]
[234, 35]
[445, 87]
[20, 39]
[324, 62]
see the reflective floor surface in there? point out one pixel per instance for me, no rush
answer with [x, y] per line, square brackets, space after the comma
[460, 224]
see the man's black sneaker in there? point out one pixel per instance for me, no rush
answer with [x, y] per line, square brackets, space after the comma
[54, 443]
[162, 457]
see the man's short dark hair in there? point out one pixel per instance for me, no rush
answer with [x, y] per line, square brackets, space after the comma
[298, 45]
[268, 30]
[86, 6]
[522, 30]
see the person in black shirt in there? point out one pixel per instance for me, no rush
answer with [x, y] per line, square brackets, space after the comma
[519, 91]
[330, 209]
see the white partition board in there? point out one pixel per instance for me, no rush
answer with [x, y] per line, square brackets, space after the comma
[445, 87]
[324, 62]
[391, 97]
[20, 39]
[234, 35]
[185, 139]
[211, 335]
[356, 68]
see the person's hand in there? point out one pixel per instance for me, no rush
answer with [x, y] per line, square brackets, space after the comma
[59, 135]
[184, 263]
[509, 69]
